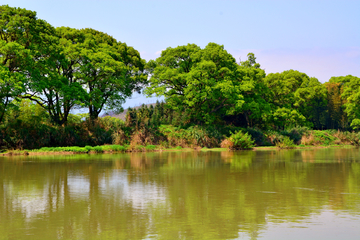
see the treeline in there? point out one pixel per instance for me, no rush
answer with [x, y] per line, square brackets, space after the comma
[207, 86]
[47, 72]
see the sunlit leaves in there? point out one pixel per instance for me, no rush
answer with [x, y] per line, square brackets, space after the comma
[205, 81]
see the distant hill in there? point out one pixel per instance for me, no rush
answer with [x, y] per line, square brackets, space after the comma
[122, 115]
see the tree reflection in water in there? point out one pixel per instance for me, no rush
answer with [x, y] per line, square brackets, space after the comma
[174, 195]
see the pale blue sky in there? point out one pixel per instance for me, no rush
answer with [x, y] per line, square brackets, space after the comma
[320, 38]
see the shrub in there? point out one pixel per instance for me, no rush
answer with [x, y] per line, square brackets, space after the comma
[117, 148]
[150, 147]
[296, 133]
[317, 137]
[98, 149]
[239, 140]
[257, 135]
[191, 136]
[285, 143]
[88, 148]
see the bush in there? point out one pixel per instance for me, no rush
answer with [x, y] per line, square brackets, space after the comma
[117, 148]
[317, 137]
[285, 143]
[88, 148]
[258, 136]
[98, 149]
[191, 136]
[238, 140]
[296, 133]
[150, 147]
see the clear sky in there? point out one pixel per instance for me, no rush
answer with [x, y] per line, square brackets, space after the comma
[319, 38]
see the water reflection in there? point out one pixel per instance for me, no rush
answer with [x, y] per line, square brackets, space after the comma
[179, 195]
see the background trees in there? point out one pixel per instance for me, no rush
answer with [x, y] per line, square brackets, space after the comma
[207, 82]
[296, 99]
[351, 98]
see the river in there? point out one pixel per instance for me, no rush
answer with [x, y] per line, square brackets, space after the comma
[287, 194]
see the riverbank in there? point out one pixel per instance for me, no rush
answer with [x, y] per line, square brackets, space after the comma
[109, 149]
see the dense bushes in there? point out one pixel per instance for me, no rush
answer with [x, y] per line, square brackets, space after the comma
[20, 134]
[330, 137]
[27, 127]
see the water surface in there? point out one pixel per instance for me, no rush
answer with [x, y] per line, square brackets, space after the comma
[288, 194]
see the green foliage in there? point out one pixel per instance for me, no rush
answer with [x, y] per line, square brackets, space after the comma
[206, 83]
[150, 147]
[241, 140]
[323, 136]
[351, 95]
[117, 148]
[296, 133]
[327, 137]
[296, 99]
[98, 149]
[11, 86]
[336, 117]
[285, 143]
[74, 149]
[258, 136]
[110, 70]
[46, 72]
[191, 136]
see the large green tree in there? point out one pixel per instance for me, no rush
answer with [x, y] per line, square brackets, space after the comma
[295, 98]
[256, 109]
[110, 71]
[55, 83]
[21, 39]
[205, 82]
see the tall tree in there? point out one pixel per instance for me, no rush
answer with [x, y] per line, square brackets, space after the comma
[256, 109]
[21, 38]
[55, 85]
[206, 82]
[110, 72]
[295, 98]
[337, 118]
[351, 95]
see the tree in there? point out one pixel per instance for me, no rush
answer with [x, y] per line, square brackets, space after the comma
[293, 95]
[256, 109]
[250, 62]
[21, 37]
[110, 72]
[55, 83]
[311, 102]
[11, 86]
[351, 95]
[205, 82]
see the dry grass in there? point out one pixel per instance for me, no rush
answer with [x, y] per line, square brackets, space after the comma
[342, 138]
[119, 137]
[308, 140]
[227, 144]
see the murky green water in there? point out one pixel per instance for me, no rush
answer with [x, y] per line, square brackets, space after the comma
[297, 194]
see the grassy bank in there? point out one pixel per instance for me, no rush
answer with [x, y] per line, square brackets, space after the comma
[109, 149]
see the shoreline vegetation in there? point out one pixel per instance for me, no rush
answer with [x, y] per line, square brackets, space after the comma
[210, 100]
[74, 150]
[307, 139]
